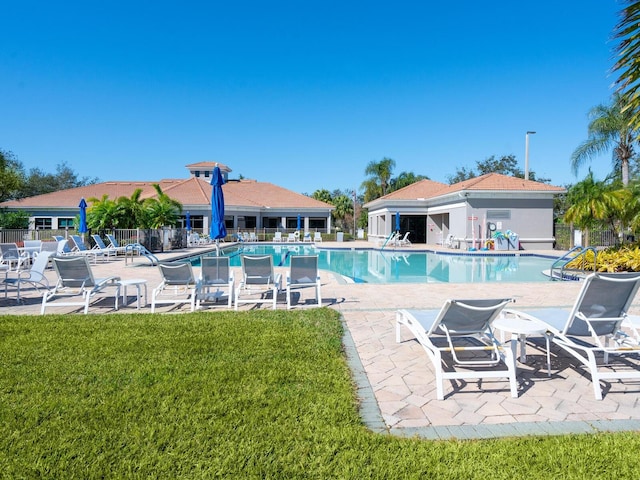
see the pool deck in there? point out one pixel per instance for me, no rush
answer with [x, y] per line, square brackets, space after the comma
[395, 381]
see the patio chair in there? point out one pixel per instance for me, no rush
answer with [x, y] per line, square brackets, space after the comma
[291, 237]
[113, 243]
[258, 281]
[306, 237]
[460, 334]
[101, 247]
[215, 274]
[404, 241]
[178, 286]
[317, 237]
[79, 248]
[592, 328]
[277, 237]
[75, 279]
[34, 276]
[303, 273]
[12, 257]
[32, 248]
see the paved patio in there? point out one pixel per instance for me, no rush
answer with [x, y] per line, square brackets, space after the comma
[396, 381]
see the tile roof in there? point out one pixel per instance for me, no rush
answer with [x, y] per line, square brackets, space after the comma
[488, 182]
[192, 191]
[208, 166]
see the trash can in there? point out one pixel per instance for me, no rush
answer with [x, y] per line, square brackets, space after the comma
[340, 237]
[360, 233]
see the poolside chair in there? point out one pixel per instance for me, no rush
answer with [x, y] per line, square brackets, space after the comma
[253, 237]
[178, 286]
[215, 274]
[306, 237]
[12, 257]
[79, 248]
[303, 273]
[317, 237]
[291, 237]
[75, 279]
[404, 241]
[460, 335]
[101, 247]
[258, 281]
[277, 237]
[113, 243]
[591, 329]
[32, 248]
[34, 276]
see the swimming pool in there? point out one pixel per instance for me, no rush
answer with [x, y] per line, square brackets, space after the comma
[375, 266]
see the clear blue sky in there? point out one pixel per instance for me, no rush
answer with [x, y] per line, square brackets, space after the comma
[303, 94]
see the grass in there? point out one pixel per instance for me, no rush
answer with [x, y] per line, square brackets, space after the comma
[264, 394]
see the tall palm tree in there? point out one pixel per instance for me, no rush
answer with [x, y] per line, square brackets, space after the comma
[133, 210]
[627, 31]
[162, 211]
[609, 129]
[103, 214]
[380, 175]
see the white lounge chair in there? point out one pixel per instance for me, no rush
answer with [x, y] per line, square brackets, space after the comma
[404, 241]
[34, 276]
[291, 238]
[277, 237]
[11, 257]
[102, 248]
[113, 243]
[258, 281]
[32, 248]
[592, 329]
[462, 331]
[306, 237]
[75, 279]
[215, 274]
[317, 237]
[303, 272]
[178, 286]
[79, 248]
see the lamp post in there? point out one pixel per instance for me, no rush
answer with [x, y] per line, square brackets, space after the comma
[354, 214]
[526, 155]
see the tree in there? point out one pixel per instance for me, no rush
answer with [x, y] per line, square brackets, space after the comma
[11, 176]
[505, 165]
[38, 182]
[132, 210]
[379, 173]
[103, 214]
[627, 31]
[405, 179]
[162, 211]
[343, 207]
[609, 130]
[594, 202]
[19, 219]
[322, 195]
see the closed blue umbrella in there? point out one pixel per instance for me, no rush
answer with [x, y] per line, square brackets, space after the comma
[217, 229]
[188, 220]
[298, 228]
[82, 228]
[398, 221]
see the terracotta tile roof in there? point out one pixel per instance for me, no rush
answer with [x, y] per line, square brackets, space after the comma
[193, 191]
[487, 182]
[208, 166]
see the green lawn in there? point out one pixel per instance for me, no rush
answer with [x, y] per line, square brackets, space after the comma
[264, 394]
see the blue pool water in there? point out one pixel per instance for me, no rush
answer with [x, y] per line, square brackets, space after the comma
[375, 266]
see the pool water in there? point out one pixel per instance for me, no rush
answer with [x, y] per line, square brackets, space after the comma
[383, 267]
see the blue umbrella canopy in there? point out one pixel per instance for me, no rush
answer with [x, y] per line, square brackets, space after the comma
[298, 228]
[398, 221]
[188, 221]
[82, 228]
[217, 229]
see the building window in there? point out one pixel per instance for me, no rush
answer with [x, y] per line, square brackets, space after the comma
[43, 223]
[197, 173]
[65, 223]
[206, 173]
[499, 214]
[317, 223]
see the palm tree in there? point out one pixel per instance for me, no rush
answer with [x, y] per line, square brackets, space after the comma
[343, 207]
[627, 31]
[133, 210]
[594, 201]
[608, 129]
[163, 210]
[103, 214]
[380, 174]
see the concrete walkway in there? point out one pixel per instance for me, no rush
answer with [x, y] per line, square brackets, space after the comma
[396, 380]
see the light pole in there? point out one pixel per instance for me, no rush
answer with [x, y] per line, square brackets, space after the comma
[526, 155]
[354, 214]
